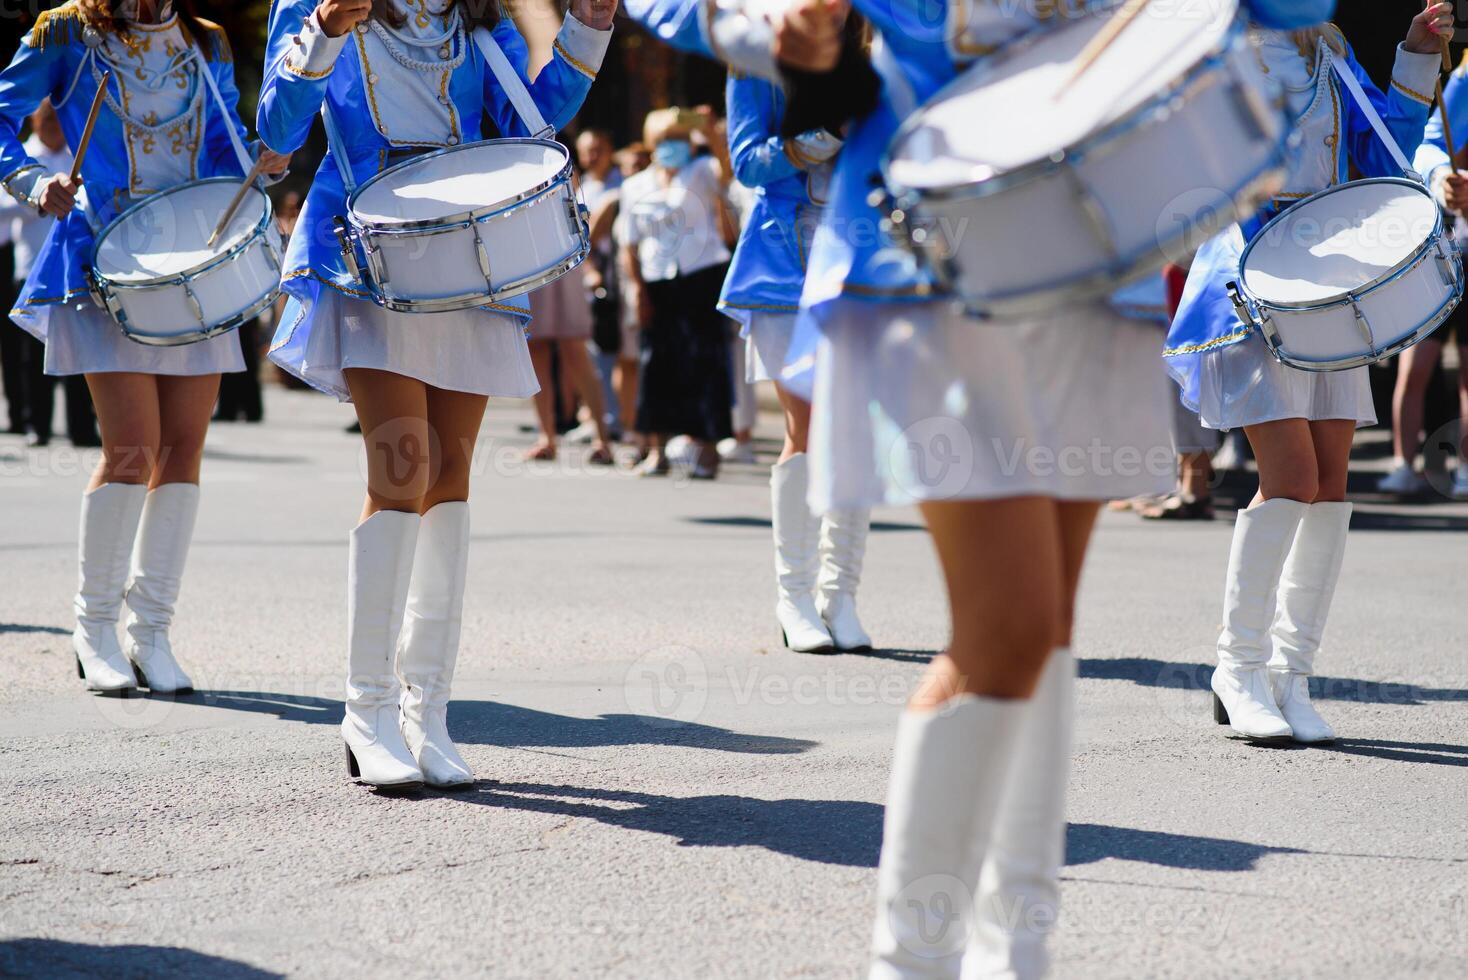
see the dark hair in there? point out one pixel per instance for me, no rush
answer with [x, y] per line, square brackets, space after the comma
[476, 13]
[102, 15]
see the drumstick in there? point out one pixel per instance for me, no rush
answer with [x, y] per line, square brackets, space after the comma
[1098, 44]
[234, 205]
[1447, 128]
[86, 141]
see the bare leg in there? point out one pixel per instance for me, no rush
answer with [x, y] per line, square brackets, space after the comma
[624, 379]
[545, 401]
[576, 363]
[1414, 372]
[1332, 439]
[797, 422]
[184, 407]
[128, 416]
[393, 411]
[454, 417]
[1285, 453]
[1004, 567]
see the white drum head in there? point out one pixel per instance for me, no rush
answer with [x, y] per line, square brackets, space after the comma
[168, 234]
[465, 179]
[1339, 241]
[1005, 113]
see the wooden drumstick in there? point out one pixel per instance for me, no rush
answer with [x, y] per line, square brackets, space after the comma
[234, 205]
[86, 141]
[1092, 52]
[1447, 128]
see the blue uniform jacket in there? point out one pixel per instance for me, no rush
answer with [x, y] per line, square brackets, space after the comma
[768, 269]
[54, 62]
[290, 97]
[1205, 319]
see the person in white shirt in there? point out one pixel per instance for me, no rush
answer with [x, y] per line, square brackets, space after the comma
[674, 230]
[28, 229]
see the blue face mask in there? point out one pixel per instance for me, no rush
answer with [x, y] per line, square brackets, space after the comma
[673, 154]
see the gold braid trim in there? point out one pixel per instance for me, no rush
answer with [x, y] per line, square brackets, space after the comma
[57, 28]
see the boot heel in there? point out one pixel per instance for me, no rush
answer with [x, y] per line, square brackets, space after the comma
[79, 672]
[352, 769]
[1220, 713]
[138, 673]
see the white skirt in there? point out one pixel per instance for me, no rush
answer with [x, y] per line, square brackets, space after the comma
[81, 339]
[1242, 384]
[768, 338]
[476, 351]
[916, 402]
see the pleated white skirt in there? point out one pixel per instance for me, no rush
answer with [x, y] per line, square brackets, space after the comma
[1242, 384]
[81, 339]
[476, 351]
[916, 402]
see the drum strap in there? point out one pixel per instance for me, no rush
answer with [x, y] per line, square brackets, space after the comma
[337, 147]
[1343, 72]
[247, 162]
[513, 86]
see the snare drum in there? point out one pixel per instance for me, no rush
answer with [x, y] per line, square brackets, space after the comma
[459, 228]
[1350, 276]
[155, 273]
[1019, 197]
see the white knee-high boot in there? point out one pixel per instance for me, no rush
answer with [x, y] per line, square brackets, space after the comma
[1242, 697]
[1305, 591]
[1019, 886]
[159, 555]
[948, 772]
[377, 590]
[796, 530]
[843, 546]
[430, 643]
[109, 522]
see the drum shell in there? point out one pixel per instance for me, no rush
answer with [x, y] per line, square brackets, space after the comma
[531, 240]
[434, 266]
[211, 299]
[1400, 311]
[1157, 183]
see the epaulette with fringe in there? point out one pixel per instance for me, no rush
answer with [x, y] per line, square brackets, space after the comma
[216, 48]
[57, 27]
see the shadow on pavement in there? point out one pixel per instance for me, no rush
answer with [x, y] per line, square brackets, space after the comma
[1435, 753]
[1148, 672]
[27, 628]
[511, 726]
[1089, 842]
[889, 653]
[54, 958]
[843, 832]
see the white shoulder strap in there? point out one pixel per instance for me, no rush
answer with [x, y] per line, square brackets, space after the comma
[1382, 133]
[247, 162]
[337, 147]
[513, 86]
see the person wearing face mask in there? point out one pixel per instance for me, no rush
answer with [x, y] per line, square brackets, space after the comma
[674, 229]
